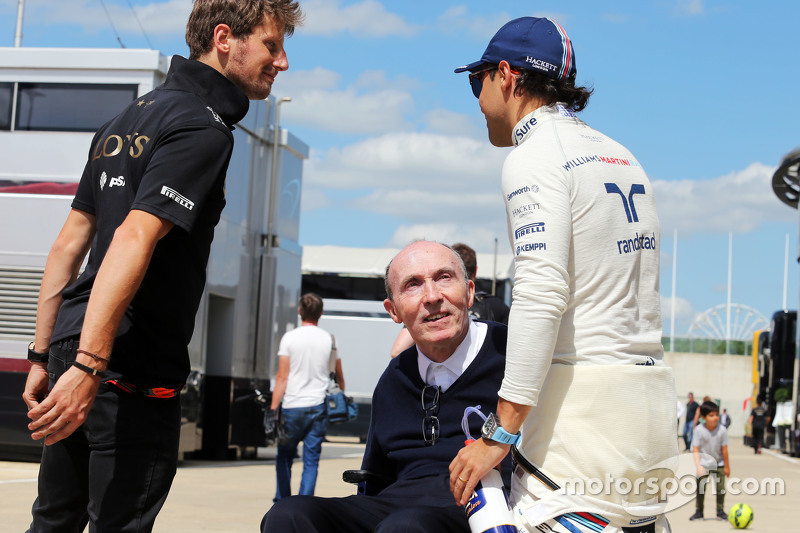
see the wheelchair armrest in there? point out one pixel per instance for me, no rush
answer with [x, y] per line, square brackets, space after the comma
[359, 476]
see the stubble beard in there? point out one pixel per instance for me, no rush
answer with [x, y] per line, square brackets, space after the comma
[237, 73]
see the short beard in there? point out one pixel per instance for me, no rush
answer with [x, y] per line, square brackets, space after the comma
[236, 73]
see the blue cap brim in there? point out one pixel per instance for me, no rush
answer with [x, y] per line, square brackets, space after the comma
[470, 67]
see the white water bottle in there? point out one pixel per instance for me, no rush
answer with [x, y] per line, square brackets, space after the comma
[488, 510]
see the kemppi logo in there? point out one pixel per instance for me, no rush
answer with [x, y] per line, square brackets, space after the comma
[113, 145]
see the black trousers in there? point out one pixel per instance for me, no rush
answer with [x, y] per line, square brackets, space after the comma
[114, 471]
[411, 506]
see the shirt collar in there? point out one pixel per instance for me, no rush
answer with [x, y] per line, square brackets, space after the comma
[213, 88]
[530, 122]
[462, 357]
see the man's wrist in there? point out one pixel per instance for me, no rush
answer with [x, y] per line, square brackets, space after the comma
[37, 357]
[492, 430]
[94, 372]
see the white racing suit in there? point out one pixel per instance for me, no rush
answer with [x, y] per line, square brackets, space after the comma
[584, 346]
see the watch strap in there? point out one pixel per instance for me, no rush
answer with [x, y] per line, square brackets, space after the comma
[504, 437]
[37, 357]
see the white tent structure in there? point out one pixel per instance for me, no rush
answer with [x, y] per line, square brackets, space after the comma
[372, 262]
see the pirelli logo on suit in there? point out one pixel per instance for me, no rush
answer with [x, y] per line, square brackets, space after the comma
[178, 197]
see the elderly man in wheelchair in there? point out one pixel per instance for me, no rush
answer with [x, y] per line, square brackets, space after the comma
[417, 408]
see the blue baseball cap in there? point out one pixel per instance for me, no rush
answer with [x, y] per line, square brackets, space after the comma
[530, 43]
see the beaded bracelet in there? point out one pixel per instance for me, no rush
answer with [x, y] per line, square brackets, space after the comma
[94, 356]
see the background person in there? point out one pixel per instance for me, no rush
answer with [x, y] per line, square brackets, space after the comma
[758, 421]
[417, 407]
[698, 414]
[586, 312]
[114, 340]
[485, 306]
[304, 356]
[725, 419]
[711, 438]
[688, 426]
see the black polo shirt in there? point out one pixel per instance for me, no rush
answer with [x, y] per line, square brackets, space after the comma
[166, 154]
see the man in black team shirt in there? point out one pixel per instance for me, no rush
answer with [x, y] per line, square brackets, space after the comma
[110, 352]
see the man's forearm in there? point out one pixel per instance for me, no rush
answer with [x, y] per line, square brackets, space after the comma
[277, 394]
[118, 279]
[63, 263]
[339, 374]
[511, 414]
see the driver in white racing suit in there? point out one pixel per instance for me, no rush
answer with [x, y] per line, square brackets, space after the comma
[586, 401]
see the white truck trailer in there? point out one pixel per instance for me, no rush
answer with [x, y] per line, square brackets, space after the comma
[51, 102]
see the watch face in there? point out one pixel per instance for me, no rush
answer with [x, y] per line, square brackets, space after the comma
[489, 427]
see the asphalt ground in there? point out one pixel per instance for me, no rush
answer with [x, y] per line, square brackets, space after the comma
[233, 496]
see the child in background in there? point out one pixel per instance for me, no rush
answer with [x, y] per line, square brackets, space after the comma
[711, 438]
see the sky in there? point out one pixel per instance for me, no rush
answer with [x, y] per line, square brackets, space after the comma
[702, 92]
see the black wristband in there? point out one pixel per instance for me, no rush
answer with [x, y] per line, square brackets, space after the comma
[37, 357]
[88, 370]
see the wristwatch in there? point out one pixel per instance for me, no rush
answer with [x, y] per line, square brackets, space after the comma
[37, 357]
[492, 430]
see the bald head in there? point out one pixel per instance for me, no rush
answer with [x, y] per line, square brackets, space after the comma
[429, 292]
[412, 247]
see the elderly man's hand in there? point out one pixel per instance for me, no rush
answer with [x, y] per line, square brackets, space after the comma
[471, 464]
[65, 408]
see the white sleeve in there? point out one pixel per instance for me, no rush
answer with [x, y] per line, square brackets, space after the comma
[284, 345]
[539, 215]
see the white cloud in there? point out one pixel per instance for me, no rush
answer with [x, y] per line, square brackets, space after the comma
[157, 18]
[448, 122]
[411, 161]
[434, 204]
[458, 19]
[684, 316]
[478, 236]
[313, 198]
[738, 202]
[365, 107]
[367, 18]
[683, 310]
[691, 7]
